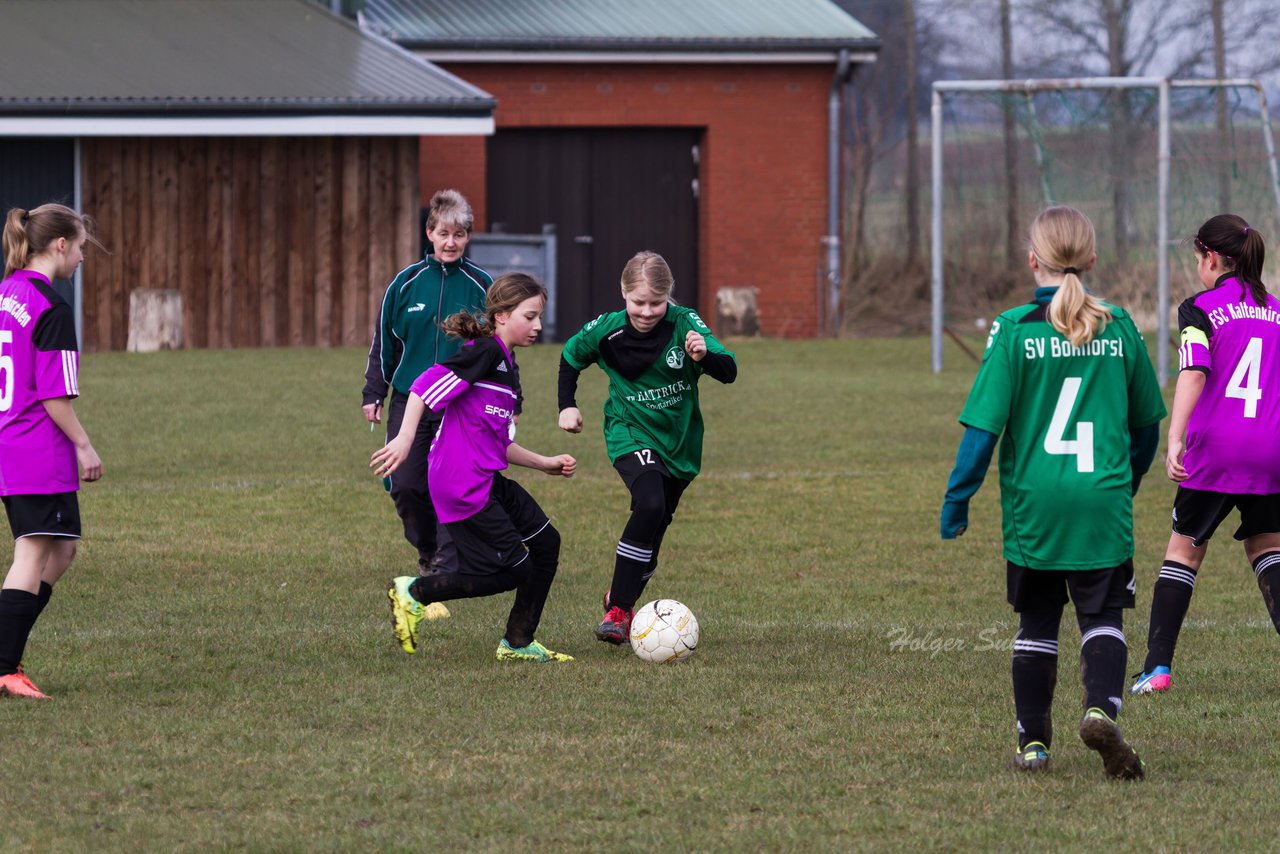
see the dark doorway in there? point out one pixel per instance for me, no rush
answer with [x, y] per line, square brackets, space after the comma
[35, 171]
[609, 193]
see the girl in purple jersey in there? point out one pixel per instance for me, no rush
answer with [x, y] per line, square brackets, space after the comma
[1223, 432]
[493, 536]
[42, 443]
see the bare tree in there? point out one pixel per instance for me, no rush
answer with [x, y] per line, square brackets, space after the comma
[1220, 72]
[1013, 248]
[911, 73]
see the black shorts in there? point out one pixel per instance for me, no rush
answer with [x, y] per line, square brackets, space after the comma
[1093, 590]
[493, 539]
[635, 463]
[54, 515]
[1197, 513]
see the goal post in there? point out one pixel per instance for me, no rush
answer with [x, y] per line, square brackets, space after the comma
[1162, 88]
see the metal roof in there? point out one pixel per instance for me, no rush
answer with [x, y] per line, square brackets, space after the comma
[196, 57]
[618, 25]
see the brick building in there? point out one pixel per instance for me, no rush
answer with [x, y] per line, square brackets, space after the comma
[701, 129]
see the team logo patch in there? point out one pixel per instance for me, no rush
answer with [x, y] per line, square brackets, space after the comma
[675, 358]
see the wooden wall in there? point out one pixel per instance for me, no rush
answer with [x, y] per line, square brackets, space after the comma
[273, 242]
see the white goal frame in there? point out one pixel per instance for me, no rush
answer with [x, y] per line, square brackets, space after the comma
[1163, 86]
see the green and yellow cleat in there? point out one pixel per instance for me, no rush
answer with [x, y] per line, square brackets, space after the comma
[407, 612]
[533, 652]
[1033, 757]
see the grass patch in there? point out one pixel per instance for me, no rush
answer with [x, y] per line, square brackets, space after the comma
[224, 673]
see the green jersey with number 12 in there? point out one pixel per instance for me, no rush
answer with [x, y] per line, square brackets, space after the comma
[659, 408]
[1064, 414]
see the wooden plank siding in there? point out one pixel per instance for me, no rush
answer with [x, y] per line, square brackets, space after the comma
[273, 242]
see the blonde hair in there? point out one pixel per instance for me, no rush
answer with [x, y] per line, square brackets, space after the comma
[505, 294]
[450, 206]
[30, 233]
[648, 268]
[1064, 242]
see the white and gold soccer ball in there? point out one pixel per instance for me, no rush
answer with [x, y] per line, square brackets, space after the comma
[664, 631]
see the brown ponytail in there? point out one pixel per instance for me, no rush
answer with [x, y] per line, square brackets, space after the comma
[506, 292]
[1242, 249]
[30, 233]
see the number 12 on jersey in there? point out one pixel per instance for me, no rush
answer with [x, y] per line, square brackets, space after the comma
[1055, 441]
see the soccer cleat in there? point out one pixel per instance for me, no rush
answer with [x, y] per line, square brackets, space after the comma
[1033, 757]
[533, 652]
[406, 613]
[19, 685]
[1155, 682]
[615, 628]
[1101, 734]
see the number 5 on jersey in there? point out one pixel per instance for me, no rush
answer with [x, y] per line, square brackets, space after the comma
[1055, 441]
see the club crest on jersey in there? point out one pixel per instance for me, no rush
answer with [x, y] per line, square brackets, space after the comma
[675, 358]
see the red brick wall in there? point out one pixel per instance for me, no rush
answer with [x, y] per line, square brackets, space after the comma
[763, 201]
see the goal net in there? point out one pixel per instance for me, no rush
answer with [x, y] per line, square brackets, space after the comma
[1008, 149]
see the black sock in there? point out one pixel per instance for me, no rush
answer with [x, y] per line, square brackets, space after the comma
[1267, 569]
[1104, 655]
[531, 595]
[1035, 675]
[1169, 602]
[46, 591]
[630, 571]
[18, 612]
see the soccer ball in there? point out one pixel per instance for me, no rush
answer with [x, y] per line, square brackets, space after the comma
[664, 631]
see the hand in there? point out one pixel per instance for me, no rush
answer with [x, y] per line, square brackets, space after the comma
[372, 413]
[389, 457]
[695, 345]
[89, 463]
[955, 519]
[1173, 460]
[563, 465]
[571, 419]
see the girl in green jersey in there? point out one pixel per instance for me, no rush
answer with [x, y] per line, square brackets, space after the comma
[1067, 387]
[653, 352]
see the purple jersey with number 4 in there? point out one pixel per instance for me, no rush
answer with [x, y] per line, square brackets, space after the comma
[1233, 436]
[478, 388]
[39, 361]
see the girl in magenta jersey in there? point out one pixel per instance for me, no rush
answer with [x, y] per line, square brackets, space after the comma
[43, 448]
[493, 536]
[1223, 434]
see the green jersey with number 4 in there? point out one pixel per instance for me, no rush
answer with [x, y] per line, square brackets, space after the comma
[658, 408]
[1064, 414]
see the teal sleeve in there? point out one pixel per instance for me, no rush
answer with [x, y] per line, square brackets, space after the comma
[972, 460]
[1143, 442]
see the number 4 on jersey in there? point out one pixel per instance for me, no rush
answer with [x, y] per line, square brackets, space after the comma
[1055, 441]
[1244, 383]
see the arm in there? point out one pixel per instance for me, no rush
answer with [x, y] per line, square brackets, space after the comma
[389, 457]
[562, 464]
[1143, 442]
[972, 460]
[1185, 396]
[719, 366]
[566, 394]
[64, 415]
[375, 383]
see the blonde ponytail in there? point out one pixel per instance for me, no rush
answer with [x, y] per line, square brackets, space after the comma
[1077, 315]
[1064, 242]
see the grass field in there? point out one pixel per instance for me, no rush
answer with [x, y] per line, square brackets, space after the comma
[225, 678]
